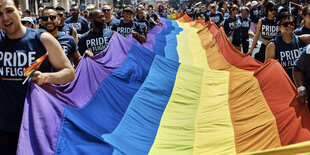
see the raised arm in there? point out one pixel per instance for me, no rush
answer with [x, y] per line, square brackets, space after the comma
[65, 72]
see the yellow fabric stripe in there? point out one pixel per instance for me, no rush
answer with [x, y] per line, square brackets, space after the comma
[213, 135]
[176, 132]
[214, 129]
[300, 148]
[185, 56]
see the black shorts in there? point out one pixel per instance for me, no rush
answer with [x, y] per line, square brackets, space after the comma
[8, 142]
[260, 56]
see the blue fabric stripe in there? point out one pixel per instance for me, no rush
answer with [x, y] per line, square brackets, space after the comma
[144, 113]
[82, 128]
[171, 48]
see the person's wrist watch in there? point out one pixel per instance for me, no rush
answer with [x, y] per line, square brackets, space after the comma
[301, 89]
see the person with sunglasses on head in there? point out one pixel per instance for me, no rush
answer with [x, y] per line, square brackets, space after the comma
[78, 22]
[109, 19]
[128, 26]
[20, 47]
[305, 29]
[64, 27]
[232, 27]
[267, 28]
[97, 38]
[287, 47]
[141, 20]
[50, 22]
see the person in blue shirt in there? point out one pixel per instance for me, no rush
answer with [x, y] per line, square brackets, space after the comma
[68, 44]
[301, 75]
[20, 47]
[141, 20]
[200, 12]
[214, 16]
[97, 38]
[267, 28]
[152, 17]
[161, 11]
[245, 27]
[78, 22]
[232, 27]
[127, 26]
[64, 27]
[305, 29]
[190, 10]
[224, 5]
[287, 47]
[109, 19]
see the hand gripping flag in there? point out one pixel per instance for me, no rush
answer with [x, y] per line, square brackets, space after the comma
[29, 71]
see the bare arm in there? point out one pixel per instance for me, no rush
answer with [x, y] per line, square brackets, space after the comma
[299, 81]
[58, 59]
[255, 39]
[74, 35]
[76, 57]
[270, 50]
[305, 38]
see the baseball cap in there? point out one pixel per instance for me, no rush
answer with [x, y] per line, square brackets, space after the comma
[27, 19]
[129, 9]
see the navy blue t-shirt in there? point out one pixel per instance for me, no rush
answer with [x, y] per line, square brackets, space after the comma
[233, 26]
[226, 14]
[190, 12]
[269, 28]
[80, 24]
[143, 23]
[217, 18]
[15, 56]
[126, 29]
[245, 26]
[95, 42]
[302, 64]
[67, 43]
[66, 28]
[287, 54]
[112, 22]
[254, 14]
[302, 30]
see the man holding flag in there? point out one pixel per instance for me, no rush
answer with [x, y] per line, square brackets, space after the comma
[20, 47]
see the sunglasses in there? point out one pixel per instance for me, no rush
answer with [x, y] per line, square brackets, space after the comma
[25, 22]
[106, 10]
[45, 18]
[60, 15]
[285, 24]
[273, 9]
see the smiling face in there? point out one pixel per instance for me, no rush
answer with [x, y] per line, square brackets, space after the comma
[128, 15]
[10, 17]
[50, 20]
[287, 26]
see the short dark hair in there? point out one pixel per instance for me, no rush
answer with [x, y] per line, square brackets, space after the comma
[269, 5]
[27, 11]
[60, 8]
[305, 10]
[282, 16]
[16, 2]
[47, 8]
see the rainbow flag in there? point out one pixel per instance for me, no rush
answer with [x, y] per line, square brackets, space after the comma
[29, 71]
[186, 91]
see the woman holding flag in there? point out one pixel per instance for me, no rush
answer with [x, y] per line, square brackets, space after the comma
[20, 47]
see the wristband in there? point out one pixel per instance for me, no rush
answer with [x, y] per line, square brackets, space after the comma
[45, 78]
[301, 89]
